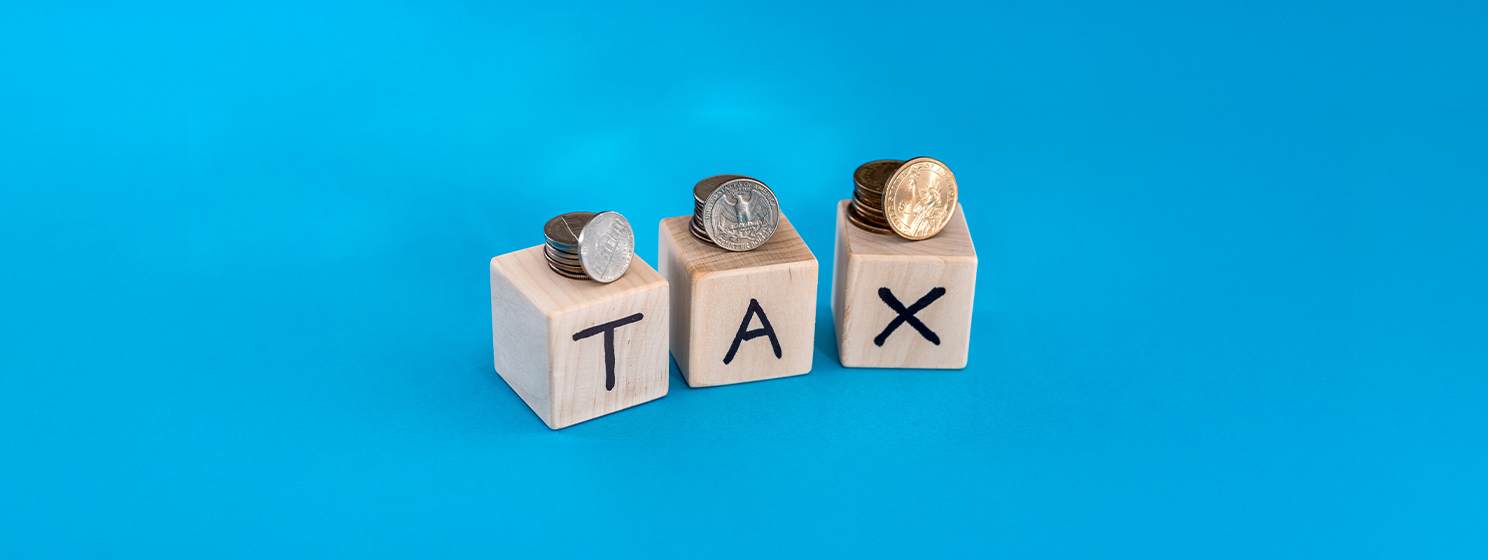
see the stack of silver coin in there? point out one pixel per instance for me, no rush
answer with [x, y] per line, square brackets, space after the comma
[867, 210]
[562, 249]
[700, 193]
[585, 245]
[734, 212]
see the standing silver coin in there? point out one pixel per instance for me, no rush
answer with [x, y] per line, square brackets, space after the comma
[700, 193]
[705, 187]
[606, 245]
[741, 214]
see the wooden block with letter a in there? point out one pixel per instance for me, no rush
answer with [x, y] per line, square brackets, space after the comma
[900, 303]
[578, 349]
[739, 316]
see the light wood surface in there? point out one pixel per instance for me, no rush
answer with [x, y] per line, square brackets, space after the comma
[864, 263]
[711, 291]
[535, 314]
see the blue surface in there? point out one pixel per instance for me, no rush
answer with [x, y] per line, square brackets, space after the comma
[1231, 299]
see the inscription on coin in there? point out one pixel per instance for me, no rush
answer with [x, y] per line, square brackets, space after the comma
[919, 198]
[741, 214]
[705, 187]
[606, 245]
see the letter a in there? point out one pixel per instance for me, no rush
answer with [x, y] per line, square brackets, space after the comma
[745, 334]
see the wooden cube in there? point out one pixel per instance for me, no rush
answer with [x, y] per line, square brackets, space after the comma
[739, 316]
[901, 303]
[578, 349]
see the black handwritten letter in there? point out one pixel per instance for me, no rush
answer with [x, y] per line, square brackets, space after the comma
[744, 334]
[609, 344]
[907, 315]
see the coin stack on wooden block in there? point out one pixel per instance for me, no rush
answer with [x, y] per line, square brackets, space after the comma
[866, 210]
[700, 193]
[743, 286]
[902, 291]
[575, 349]
[562, 246]
[603, 258]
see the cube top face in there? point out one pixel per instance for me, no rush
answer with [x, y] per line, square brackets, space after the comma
[953, 242]
[739, 316]
[555, 295]
[900, 303]
[784, 247]
[577, 349]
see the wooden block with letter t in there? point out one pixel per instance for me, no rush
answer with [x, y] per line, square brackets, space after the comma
[901, 303]
[739, 316]
[578, 349]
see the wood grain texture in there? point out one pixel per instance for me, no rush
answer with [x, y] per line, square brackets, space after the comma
[535, 314]
[711, 290]
[864, 262]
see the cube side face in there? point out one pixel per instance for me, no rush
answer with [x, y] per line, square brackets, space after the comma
[752, 324]
[906, 312]
[519, 343]
[714, 291]
[669, 264]
[608, 356]
[840, 257]
[902, 310]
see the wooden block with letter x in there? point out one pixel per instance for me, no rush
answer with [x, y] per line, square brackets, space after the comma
[900, 303]
[739, 316]
[578, 349]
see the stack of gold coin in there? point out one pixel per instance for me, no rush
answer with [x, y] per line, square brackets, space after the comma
[866, 210]
[913, 199]
[562, 247]
[700, 193]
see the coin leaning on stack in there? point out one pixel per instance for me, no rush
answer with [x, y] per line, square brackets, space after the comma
[912, 199]
[585, 245]
[734, 212]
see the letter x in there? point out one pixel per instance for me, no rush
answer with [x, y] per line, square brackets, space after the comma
[609, 343]
[907, 315]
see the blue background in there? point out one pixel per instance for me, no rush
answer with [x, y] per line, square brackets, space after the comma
[1230, 300]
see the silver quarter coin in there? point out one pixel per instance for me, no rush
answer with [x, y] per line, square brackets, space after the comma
[705, 187]
[741, 214]
[606, 245]
[697, 231]
[700, 193]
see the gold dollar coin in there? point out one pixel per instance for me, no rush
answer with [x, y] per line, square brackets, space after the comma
[919, 198]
